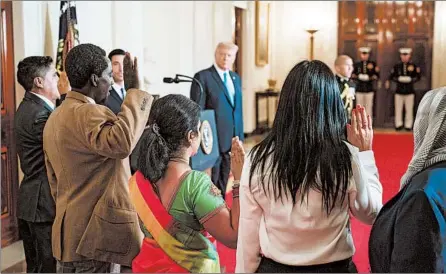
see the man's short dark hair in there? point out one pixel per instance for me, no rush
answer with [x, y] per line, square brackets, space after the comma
[115, 52]
[82, 61]
[32, 67]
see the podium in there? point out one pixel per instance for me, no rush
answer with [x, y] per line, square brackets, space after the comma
[208, 152]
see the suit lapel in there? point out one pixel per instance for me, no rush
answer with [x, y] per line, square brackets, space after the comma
[222, 85]
[114, 93]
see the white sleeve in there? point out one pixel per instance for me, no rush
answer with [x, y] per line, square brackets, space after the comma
[365, 200]
[248, 243]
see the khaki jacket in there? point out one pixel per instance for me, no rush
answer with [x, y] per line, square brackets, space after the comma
[86, 154]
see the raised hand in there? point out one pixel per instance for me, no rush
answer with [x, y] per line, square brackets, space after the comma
[360, 132]
[237, 158]
[131, 76]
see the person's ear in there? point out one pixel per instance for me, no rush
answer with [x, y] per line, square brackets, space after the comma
[94, 80]
[191, 136]
[38, 82]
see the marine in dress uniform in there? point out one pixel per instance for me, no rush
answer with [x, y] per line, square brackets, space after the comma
[405, 74]
[344, 69]
[364, 73]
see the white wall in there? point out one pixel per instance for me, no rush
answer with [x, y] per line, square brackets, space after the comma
[292, 43]
[172, 37]
[168, 37]
[28, 30]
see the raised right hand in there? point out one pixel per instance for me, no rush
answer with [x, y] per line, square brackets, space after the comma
[360, 132]
[131, 76]
[237, 158]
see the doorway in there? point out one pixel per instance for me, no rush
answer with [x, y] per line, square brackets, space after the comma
[386, 26]
[237, 38]
[9, 171]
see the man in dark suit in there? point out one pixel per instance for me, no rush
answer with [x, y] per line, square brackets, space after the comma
[35, 206]
[222, 93]
[117, 91]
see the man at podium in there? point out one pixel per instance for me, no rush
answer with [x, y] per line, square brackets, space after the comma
[222, 92]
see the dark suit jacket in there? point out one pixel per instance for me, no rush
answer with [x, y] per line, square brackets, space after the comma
[365, 67]
[401, 69]
[35, 203]
[408, 234]
[114, 101]
[215, 96]
[62, 98]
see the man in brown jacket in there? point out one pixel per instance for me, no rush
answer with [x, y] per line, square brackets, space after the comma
[86, 149]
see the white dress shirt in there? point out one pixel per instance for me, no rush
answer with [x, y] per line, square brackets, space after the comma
[229, 81]
[117, 88]
[46, 100]
[303, 234]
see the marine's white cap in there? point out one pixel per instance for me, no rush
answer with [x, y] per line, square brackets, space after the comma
[405, 50]
[365, 49]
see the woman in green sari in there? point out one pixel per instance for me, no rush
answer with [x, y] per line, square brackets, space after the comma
[176, 205]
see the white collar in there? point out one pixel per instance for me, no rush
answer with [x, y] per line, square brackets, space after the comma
[117, 87]
[48, 102]
[342, 77]
[219, 70]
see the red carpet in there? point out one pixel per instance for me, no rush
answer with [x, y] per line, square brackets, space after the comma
[393, 153]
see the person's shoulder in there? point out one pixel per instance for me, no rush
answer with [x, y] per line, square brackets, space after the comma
[199, 176]
[91, 115]
[196, 182]
[32, 111]
[205, 71]
[29, 107]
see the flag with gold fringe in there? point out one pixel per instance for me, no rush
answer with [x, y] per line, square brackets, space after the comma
[68, 38]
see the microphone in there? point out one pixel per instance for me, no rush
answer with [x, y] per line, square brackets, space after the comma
[176, 80]
[168, 80]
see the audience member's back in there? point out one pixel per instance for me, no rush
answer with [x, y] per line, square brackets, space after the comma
[300, 182]
[86, 148]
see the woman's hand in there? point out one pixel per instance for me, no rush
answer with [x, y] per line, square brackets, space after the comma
[360, 132]
[237, 158]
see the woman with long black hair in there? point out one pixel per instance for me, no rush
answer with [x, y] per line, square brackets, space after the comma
[299, 184]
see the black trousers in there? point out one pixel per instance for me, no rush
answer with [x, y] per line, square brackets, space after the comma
[269, 266]
[220, 172]
[37, 244]
[88, 266]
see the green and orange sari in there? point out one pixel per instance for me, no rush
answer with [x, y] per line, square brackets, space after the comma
[175, 240]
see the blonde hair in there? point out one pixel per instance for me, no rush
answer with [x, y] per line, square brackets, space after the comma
[227, 45]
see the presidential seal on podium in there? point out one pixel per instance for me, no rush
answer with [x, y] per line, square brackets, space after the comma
[206, 137]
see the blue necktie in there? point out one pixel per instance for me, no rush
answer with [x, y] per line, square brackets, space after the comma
[123, 94]
[225, 76]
